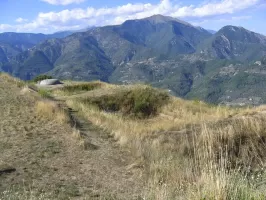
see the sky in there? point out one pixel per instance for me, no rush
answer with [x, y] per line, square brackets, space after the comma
[49, 16]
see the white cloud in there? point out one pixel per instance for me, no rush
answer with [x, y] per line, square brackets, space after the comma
[80, 18]
[4, 27]
[227, 20]
[62, 2]
[222, 7]
[242, 17]
[21, 20]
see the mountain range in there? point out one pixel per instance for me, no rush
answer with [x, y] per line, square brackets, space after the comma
[227, 66]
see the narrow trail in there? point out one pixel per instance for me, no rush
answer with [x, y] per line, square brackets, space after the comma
[46, 156]
[108, 163]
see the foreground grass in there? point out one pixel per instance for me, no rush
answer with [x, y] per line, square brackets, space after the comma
[44, 157]
[51, 111]
[17, 194]
[189, 149]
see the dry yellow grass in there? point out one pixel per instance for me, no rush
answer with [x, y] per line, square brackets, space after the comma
[51, 161]
[192, 150]
[11, 80]
[175, 116]
[51, 111]
[72, 88]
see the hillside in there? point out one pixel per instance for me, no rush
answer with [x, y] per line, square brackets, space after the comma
[165, 52]
[232, 83]
[235, 43]
[154, 145]
[44, 156]
[96, 53]
[75, 57]
[187, 149]
[12, 44]
[23, 41]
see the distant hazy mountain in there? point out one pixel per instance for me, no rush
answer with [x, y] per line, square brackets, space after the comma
[211, 31]
[28, 40]
[74, 57]
[12, 44]
[85, 55]
[235, 43]
[85, 29]
[226, 67]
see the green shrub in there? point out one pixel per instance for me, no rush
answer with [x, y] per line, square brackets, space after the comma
[141, 102]
[44, 93]
[20, 84]
[42, 77]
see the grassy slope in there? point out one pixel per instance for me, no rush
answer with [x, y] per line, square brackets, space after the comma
[189, 150]
[185, 150]
[53, 161]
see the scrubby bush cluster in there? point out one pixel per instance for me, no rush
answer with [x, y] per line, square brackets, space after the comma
[41, 77]
[44, 93]
[140, 102]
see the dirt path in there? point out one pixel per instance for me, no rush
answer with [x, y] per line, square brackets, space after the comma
[45, 157]
[109, 165]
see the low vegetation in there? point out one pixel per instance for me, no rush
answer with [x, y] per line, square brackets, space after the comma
[44, 93]
[79, 88]
[41, 77]
[16, 194]
[139, 102]
[189, 149]
[46, 157]
[51, 111]
[14, 81]
[183, 149]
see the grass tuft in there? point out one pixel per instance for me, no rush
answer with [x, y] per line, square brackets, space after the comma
[44, 93]
[50, 110]
[13, 194]
[7, 78]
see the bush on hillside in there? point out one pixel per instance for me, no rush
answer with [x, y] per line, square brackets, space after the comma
[141, 102]
[42, 77]
[44, 93]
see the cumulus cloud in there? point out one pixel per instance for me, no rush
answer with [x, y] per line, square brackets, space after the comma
[62, 2]
[5, 27]
[222, 7]
[225, 20]
[80, 18]
[21, 20]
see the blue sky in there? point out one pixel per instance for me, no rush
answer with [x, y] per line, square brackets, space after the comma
[49, 16]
